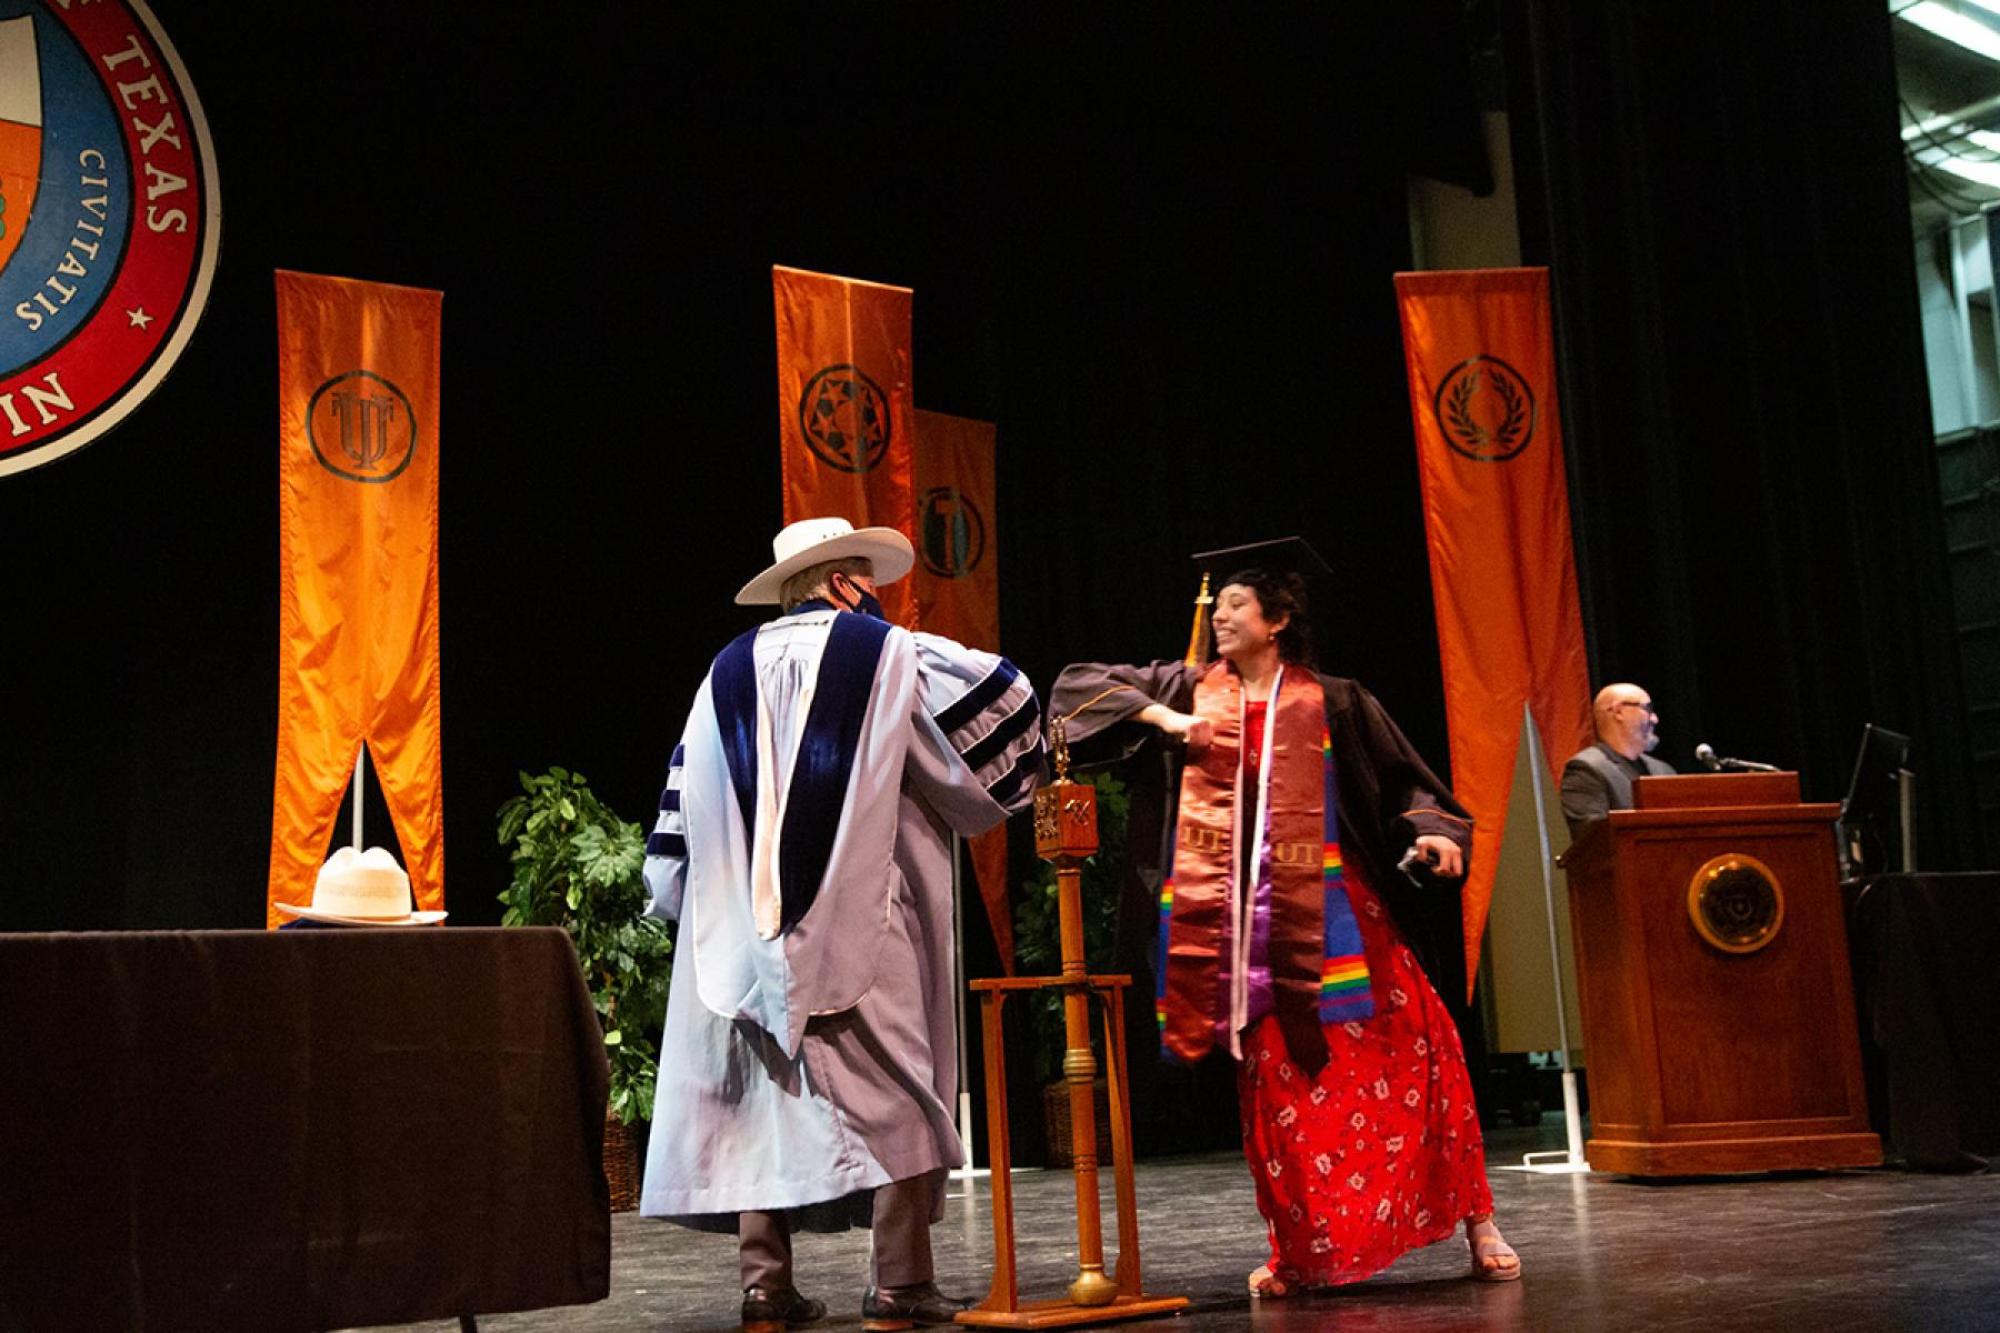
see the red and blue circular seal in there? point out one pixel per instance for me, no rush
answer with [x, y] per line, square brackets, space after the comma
[109, 220]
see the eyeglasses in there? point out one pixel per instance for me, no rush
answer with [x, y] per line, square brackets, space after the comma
[1647, 708]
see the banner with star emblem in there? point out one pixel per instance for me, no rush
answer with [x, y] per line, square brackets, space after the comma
[845, 410]
[357, 572]
[1481, 356]
[957, 585]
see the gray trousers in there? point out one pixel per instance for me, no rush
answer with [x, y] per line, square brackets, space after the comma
[901, 1232]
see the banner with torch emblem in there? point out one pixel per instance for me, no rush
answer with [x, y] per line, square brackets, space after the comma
[357, 572]
[957, 585]
[1482, 370]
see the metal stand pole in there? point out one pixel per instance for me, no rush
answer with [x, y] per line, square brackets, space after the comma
[360, 783]
[1906, 802]
[968, 1171]
[1572, 1118]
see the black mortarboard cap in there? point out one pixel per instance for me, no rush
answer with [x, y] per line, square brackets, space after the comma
[1285, 555]
[1282, 555]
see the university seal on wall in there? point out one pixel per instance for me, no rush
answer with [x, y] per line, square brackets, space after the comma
[109, 220]
[844, 416]
[1485, 409]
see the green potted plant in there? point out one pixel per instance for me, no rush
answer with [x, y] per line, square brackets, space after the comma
[1038, 952]
[579, 866]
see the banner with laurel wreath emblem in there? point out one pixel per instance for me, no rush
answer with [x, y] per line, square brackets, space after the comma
[957, 583]
[1481, 356]
[845, 409]
[357, 572]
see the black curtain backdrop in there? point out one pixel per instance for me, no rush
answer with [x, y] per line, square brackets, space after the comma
[1152, 242]
[1720, 193]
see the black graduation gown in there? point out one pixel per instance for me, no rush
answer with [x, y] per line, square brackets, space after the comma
[1388, 797]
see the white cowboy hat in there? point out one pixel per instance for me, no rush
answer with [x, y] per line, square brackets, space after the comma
[812, 541]
[362, 889]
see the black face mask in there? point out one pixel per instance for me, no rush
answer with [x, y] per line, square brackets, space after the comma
[864, 601]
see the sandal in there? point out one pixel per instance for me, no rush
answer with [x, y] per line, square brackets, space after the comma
[1268, 1286]
[1493, 1259]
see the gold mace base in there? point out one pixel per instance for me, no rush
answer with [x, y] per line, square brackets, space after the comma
[1062, 1314]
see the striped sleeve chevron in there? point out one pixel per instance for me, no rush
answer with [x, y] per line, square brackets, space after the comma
[669, 835]
[988, 712]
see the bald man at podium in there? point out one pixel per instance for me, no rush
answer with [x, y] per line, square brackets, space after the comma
[1598, 779]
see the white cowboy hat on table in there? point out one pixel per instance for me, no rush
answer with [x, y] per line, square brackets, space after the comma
[812, 541]
[362, 889]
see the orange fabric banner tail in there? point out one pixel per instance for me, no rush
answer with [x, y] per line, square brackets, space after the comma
[1481, 358]
[846, 418]
[957, 584]
[357, 572]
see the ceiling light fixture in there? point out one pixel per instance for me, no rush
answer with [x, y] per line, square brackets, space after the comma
[1956, 27]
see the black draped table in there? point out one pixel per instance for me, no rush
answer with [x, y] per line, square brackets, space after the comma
[297, 1130]
[1926, 954]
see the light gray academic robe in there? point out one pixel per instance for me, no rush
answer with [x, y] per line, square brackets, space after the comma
[806, 1065]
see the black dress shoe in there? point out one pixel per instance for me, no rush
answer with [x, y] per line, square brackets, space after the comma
[773, 1309]
[886, 1309]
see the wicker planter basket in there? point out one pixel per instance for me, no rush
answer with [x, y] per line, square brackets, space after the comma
[621, 1164]
[1056, 1121]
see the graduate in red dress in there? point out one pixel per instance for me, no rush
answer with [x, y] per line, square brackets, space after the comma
[1300, 805]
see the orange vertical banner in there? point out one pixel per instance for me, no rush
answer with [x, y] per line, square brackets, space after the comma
[357, 572]
[957, 576]
[1481, 356]
[846, 418]
[957, 584]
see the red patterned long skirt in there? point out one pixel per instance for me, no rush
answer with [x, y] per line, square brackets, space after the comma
[1382, 1152]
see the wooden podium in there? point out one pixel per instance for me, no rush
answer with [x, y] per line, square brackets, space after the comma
[1711, 954]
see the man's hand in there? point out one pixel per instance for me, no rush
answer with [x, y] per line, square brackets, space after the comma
[1439, 854]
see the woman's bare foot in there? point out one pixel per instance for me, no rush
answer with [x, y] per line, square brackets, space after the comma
[1493, 1259]
[1266, 1285]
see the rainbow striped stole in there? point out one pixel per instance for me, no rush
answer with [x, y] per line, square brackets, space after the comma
[1344, 993]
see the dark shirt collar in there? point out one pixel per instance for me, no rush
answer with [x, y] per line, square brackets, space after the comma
[1636, 767]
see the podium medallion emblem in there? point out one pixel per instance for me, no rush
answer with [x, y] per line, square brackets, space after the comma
[1736, 903]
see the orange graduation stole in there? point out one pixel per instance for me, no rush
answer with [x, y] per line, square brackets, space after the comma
[1278, 935]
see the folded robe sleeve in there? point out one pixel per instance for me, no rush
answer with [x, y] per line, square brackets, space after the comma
[666, 846]
[1413, 800]
[976, 752]
[1100, 703]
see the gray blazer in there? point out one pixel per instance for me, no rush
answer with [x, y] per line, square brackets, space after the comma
[1595, 783]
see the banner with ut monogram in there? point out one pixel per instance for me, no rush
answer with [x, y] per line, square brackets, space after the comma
[357, 571]
[957, 585]
[1481, 358]
[845, 413]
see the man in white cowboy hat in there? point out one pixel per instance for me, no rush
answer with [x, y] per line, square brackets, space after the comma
[809, 1062]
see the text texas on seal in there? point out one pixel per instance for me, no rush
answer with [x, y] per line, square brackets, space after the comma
[109, 220]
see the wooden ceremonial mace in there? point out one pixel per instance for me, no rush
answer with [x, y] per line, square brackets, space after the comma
[1066, 834]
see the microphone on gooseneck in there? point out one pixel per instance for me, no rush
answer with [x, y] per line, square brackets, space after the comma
[1715, 763]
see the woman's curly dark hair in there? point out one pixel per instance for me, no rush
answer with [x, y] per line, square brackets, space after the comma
[1282, 592]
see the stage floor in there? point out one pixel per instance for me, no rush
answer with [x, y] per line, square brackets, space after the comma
[1852, 1250]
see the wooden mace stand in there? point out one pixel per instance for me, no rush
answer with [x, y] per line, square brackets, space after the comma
[1066, 833]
